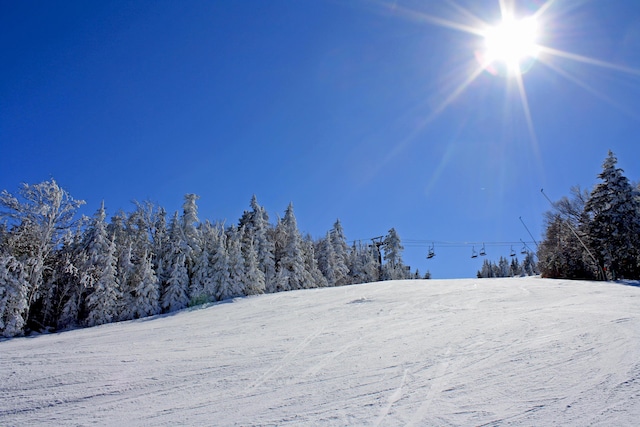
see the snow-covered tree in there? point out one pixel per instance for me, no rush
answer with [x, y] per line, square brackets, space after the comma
[201, 288]
[14, 289]
[39, 218]
[191, 235]
[145, 298]
[100, 273]
[224, 288]
[393, 268]
[561, 254]
[68, 300]
[254, 275]
[341, 251]
[258, 230]
[160, 247]
[327, 260]
[291, 272]
[364, 264]
[102, 300]
[174, 295]
[613, 222]
[311, 264]
[237, 279]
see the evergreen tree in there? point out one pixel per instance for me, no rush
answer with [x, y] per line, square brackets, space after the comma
[14, 289]
[504, 268]
[254, 275]
[161, 247]
[613, 222]
[291, 272]
[311, 264]
[364, 264]
[191, 235]
[145, 300]
[327, 260]
[515, 269]
[341, 250]
[394, 268]
[175, 295]
[257, 229]
[237, 278]
[69, 299]
[220, 266]
[102, 301]
[200, 281]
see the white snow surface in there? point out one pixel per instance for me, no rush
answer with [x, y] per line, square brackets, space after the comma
[471, 352]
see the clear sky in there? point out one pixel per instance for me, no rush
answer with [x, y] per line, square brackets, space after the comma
[376, 113]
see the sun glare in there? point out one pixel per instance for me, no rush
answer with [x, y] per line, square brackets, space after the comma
[512, 44]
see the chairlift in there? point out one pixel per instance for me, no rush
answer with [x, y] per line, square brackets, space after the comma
[524, 250]
[432, 252]
[513, 253]
[483, 252]
[474, 254]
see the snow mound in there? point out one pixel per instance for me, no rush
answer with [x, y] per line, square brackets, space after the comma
[525, 351]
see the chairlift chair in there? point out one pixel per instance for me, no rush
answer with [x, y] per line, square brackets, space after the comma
[431, 253]
[483, 252]
[474, 254]
[524, 250]
[513, 253]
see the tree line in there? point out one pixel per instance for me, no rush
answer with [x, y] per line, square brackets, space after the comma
[594, 234]
[58, 271]
[506, 268]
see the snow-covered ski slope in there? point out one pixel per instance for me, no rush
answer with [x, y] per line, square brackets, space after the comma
[467, 352]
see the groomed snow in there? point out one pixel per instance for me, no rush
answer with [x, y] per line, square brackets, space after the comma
[470, 352]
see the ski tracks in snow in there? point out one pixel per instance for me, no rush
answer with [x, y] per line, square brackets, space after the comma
[291, 355]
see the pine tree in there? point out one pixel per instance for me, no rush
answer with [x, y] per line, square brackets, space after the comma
[613, 222]
[206, 274]
[191, 235]
[161, 247]
[254, 275]
[174, 295]
[102, 301]
[394, 268]
[200, 285]
[237, 279]
[327, 260]
[291, 272]
[364, 264]
[311, 265]
[515, 269]
[70, 290]
[341, 251]
[145, 300]
[14, 289]
[220, 266]
[257, 229]
[504, 269]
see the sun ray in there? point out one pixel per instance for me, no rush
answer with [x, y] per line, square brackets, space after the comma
[456, 93]
[527, 112]
[542, 9]
[479, 23]
[414, 15]
[591, 90]
[588, 60]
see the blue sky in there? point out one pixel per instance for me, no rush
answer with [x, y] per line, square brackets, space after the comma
[355, 110]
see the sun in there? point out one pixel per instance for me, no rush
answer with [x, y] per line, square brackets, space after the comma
[512, 44]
